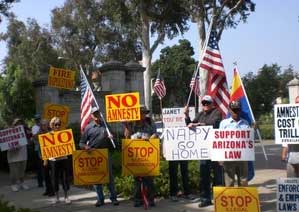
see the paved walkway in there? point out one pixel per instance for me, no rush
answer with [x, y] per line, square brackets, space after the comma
[83, 200]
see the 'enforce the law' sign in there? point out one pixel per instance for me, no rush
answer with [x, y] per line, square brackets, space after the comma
[286, 122]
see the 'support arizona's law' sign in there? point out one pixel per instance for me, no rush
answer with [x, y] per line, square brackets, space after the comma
[56, 144]
[182, 143]
[286, 122]
[122, 107]
[232, 145]
[61, 78]
[12, 137]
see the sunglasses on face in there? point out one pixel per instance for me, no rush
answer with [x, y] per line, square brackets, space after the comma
[57, 125]
[204, 103]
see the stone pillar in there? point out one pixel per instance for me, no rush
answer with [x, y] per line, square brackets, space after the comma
[134, 79]
[293, 86]
[113, 77]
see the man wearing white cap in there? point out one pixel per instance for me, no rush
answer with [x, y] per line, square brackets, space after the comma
[209, 116]
[95, 136]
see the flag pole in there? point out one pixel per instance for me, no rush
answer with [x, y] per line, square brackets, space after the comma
[251, 113]
[106, 126]
[190, 93]
[201, 55]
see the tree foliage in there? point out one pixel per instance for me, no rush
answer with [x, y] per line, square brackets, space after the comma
[29, 47]
[4, 7]
[85, 32]
[264, 87]
[16, 96]
[176, 65]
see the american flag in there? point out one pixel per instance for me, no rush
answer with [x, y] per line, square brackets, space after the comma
[194, 84]
[159, 87]
[86, 101]
[217, 84]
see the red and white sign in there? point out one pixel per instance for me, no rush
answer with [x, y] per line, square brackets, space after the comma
[12, 137]
[232, 145]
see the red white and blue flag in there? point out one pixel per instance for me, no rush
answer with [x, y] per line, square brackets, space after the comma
[87, 100]
[194, 84]
[217, 84]
[159, 86]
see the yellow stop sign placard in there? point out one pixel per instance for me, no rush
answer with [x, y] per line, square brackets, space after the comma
[60, 111]
[140, 157]
[90, 167]
[236, 199]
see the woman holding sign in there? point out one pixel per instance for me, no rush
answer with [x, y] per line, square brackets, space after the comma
[17, 160]
[59, 168]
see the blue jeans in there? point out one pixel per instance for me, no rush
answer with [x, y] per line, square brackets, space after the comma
[99, 188]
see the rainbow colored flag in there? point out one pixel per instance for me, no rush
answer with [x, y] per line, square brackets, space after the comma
[238, 92]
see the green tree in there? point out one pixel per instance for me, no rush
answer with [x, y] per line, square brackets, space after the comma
[226, 13]
[29, 47]
[176, 66]
[264, 87]
[16, 96]
[155, 18]
[4, 7]
[85, 33]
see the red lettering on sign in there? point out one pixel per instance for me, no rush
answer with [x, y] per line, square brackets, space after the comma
[128, 100]
[235, 201]
[90, 162]
[50, 139]
[125, 101]
[60, 137]
[140, 151]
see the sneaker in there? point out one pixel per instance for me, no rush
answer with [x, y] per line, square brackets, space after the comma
[56, 201]
[174, 198]
[99, 203]
[115, 202]
[204, 203]
[67, 201]
[14, 188]
[24, 187]
[189, 197]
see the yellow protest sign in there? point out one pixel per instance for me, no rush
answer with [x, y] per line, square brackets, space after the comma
[60, 111]
[90, 167]
[237, 199]
[56, 144]
[120, 107]
[140, 157]
[61, 78]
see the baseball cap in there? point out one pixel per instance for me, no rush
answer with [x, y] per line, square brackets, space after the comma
[143, 109]
[37, 116]
[94, 109]
[235, 104]
[207, 98]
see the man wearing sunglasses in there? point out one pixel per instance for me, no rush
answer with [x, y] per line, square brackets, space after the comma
[95, 136]
[232, 168]
[209, 116]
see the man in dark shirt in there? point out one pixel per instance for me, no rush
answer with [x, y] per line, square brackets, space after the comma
[209, 116]
[95, 137]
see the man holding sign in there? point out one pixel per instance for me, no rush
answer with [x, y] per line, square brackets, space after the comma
[232, 168]
[95, 137]
[208, 116]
